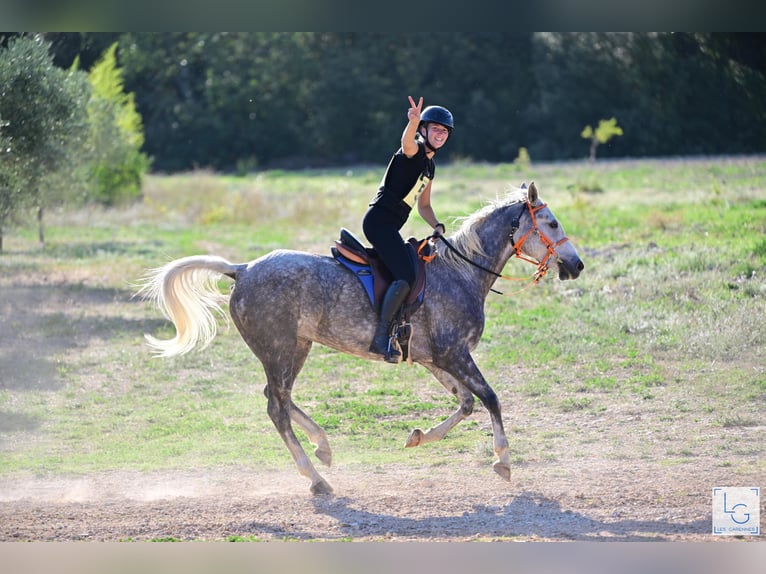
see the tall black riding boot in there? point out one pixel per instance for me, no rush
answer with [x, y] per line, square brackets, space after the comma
[395, 295]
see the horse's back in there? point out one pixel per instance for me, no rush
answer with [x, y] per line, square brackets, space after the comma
[286, 275]
[298, 294]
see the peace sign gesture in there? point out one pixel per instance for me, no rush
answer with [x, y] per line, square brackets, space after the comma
[413, 114]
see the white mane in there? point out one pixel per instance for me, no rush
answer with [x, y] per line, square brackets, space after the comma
[466, 240]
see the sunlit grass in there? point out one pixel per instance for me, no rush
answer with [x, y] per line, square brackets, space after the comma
[666, 321]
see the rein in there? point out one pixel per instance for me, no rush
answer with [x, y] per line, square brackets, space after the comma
[542, 266]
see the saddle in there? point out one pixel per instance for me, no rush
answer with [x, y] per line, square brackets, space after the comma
[375, 277]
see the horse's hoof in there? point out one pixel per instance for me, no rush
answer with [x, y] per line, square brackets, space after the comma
[324, 455]
[414, 439]
[321, 488]
[503, 469]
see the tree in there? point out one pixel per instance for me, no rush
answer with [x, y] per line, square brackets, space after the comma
[116, 135]
[42, 108]
[605, 131]
[11, 194]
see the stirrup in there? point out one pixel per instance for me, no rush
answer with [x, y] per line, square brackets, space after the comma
[383, 349]
[392, 354]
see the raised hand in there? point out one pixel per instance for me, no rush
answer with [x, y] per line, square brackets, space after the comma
[413, 114]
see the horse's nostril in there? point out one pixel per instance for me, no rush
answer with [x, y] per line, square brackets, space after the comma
[580, 265]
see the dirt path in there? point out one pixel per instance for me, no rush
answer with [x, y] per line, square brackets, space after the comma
[577, 502]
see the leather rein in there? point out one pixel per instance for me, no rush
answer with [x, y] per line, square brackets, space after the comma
[542, 265]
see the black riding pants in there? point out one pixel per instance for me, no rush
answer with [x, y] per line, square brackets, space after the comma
[381, 227]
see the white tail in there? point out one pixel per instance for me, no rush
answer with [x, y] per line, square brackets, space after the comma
[186, 292]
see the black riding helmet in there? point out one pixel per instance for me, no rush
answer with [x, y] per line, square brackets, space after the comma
[437, 115]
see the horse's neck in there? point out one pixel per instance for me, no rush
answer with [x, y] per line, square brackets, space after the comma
[495, 233]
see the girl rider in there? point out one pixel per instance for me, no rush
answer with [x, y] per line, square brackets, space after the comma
[406, 182]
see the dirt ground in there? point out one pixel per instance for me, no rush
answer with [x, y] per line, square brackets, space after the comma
[577, 501]
[573, 498]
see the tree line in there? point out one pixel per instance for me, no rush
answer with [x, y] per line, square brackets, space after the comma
[242, 101]
[83, 116]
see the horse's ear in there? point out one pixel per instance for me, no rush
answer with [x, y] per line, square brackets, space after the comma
[532, 193]
[523, 185]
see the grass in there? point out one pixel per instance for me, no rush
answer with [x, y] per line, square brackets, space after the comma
[665, 326]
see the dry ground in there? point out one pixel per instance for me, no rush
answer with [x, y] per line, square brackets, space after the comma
[571, 500]
[574, 497]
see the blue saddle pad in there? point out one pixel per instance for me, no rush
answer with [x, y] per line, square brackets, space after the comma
[362, 272]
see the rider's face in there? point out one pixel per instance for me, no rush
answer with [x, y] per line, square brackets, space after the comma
[437, 135]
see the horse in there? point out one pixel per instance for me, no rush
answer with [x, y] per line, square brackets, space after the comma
[286, 300]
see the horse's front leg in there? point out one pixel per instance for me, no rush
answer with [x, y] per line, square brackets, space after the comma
[464, 410]
[464, 369]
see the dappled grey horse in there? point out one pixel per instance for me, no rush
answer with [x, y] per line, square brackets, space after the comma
[286, 300]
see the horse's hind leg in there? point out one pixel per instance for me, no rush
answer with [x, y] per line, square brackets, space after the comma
[279, 412]
[316, 434]
[282, 368]
[417, 436]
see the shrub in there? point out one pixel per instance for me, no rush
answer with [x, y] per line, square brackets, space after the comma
[116, 135]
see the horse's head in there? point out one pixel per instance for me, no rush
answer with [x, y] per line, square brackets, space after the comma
[539, 235]
[518, 224]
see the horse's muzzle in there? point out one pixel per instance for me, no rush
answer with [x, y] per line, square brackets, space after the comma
[570, 269]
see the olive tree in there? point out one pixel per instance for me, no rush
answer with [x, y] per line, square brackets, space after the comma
[43, 124]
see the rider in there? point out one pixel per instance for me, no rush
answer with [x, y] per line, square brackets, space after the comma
[407, 181]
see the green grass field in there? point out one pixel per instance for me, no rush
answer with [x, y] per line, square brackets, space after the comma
[668, 321]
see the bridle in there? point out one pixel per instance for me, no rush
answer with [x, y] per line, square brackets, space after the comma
[542, 265]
